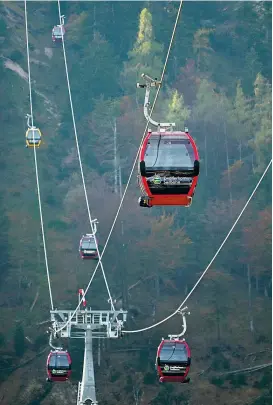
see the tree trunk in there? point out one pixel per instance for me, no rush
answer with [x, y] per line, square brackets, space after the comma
[115, 157]
[228, 171]
[251, 323]
[99, 352]
[257, 280]
[206, 155]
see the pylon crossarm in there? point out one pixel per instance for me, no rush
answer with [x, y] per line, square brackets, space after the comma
[105, 324]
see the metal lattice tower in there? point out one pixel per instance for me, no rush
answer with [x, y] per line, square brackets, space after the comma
[89, 325]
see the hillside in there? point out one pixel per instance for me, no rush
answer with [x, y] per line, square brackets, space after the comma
[218, 84]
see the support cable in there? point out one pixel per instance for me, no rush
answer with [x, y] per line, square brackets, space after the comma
[136, 158]
[210, 263]
[81, 169]
[35, 161]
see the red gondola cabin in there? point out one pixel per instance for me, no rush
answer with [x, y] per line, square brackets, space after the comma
[169, 169]
[58, 366]
[87, 248]
[173, 361]
[57, 33]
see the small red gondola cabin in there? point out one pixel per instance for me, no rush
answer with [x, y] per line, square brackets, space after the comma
[173, 361]
[87, 247]
[57, 33]
[169, 168]
[58, 366]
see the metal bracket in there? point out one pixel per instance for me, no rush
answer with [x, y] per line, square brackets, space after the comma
[52, 336]
[190, 202]
[183, 313]
[62, 20]
[162, 126]
[29, 117]
[94, 223]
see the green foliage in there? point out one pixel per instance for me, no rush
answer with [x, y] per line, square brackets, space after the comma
[142, 360]
[177, 111]
[242, 114]
[149, 378]
[146, 54]
[16, 56]
[201, 45]
[40, 341]
[265, 399]
[58, 225]
[220, 363]
[218, 381]
[237, 380]
[19, 340]
[115, 376]
[129, 384]
[265, 380]
[3, 27]
[2, 339]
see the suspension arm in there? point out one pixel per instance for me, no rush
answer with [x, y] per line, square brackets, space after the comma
[152, 83]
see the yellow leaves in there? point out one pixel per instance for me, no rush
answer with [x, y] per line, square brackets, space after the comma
[164, 222]
[178, 112]
[145, 34]
[175, 103]
[234, 173]
[164, 243]
[75, 25]
[218, 276]
[77, 20]
[145, 26]
[201, 39]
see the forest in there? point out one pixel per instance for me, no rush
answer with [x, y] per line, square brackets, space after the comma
[218, 84]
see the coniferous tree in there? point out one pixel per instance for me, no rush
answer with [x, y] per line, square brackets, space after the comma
[19, 340]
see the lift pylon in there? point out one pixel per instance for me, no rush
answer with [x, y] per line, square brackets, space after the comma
[89, 325]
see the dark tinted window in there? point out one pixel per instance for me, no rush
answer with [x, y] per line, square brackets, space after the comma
[88, 244]
[36, 134]
[59, 361]
[57, 31]
[173, 352]
[166, 153]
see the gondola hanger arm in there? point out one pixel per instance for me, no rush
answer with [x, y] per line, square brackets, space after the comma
[149, 82]
[183, 313]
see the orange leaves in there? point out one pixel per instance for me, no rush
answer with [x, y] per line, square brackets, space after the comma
[258, 239]
[165, 245]
[218, 276]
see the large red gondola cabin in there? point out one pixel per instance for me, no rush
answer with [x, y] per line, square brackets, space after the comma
[57, 33]
[58, 366]
[173, 361]
[169, 168]
[87, 248]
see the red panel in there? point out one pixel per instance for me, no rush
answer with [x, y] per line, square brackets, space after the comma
[164, 378]
[171, 199]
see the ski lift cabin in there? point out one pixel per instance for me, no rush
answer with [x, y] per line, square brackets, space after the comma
[168, 161]
[58, 366]
[173, 361]
[169, 168]
[87, 248]
[57, 33]
[33, 137]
